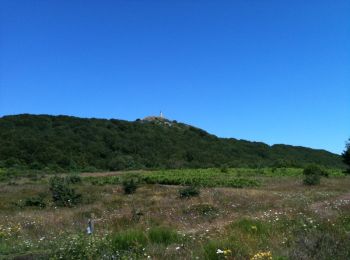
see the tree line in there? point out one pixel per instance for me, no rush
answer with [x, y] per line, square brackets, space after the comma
[65, 143]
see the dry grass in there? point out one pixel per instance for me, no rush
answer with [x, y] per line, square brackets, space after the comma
[202, 218]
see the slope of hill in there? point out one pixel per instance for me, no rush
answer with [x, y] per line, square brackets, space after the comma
[71, 143]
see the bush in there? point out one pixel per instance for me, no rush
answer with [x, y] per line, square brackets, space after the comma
[37, 201]
[315, 169]
[313, 174]
[62, 194]
[129, 186]
[188, 192]
[312, 179]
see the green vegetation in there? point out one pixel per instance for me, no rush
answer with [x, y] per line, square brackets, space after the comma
[271, 216]
[312, 179]
[163, 235]
[129, 239]
[192, 177]
[129, 186]
[313, 174]
[63, 143]
[279, 219]
[62, 194]
[37, 201]
[346, 156]
[213, 177]
[200, 177]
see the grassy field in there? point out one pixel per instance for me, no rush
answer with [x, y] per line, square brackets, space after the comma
[239, 214]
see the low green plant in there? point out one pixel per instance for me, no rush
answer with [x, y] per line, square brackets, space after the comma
[163, 235]
[129, 239]
[251, 226]
[81, 247]
[37, 201]
[188, 192]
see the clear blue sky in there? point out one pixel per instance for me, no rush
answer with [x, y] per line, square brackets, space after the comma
[262, 70]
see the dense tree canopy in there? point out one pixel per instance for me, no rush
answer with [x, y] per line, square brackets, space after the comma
[346, 155]
[71, 143]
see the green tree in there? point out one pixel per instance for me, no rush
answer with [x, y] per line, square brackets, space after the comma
[346, 155]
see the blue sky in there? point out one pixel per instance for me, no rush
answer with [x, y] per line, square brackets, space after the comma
[271, 71]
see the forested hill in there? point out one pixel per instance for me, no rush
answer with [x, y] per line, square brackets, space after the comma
[71, 143]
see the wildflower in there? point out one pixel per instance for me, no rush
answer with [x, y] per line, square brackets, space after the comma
[262, 255]
[227, 252]
[219, 251]
[177, 248]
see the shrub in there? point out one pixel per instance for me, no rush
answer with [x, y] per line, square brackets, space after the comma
[163, 235]
[62, 194]
[312, 179]
[188, 192]
[37, 201]
[129, 186]
[312, 175]
[315, 169]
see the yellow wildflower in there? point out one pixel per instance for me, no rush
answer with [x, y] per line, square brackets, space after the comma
[262, 255]
[227, 252]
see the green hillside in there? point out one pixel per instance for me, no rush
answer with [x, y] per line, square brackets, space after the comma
[71, 143]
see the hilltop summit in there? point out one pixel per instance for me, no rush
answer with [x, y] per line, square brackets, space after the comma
[156, 118]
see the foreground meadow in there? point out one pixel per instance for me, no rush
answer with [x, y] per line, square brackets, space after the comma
[238, 214]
